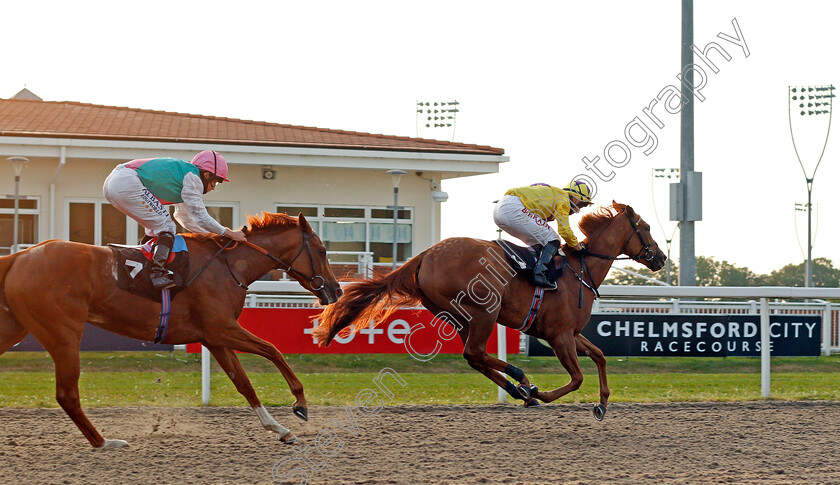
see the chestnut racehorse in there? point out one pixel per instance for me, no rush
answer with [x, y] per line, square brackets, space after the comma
[52, 289]
[468, 284]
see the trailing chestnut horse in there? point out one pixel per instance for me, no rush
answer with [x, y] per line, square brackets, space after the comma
[468, 284]
[52, 289]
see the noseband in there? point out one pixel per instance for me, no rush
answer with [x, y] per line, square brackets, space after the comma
[647, 253]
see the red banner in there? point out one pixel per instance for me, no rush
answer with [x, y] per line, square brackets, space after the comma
[415, 332]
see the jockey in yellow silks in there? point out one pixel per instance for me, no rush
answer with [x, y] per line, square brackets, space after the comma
[524, 212]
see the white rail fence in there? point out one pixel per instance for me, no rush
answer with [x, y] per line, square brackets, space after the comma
[763, 301]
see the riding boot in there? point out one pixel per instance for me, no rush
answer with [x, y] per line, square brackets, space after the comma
[161, 277]
[541, 267]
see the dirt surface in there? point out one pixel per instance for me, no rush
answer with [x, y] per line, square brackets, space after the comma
[755, 442]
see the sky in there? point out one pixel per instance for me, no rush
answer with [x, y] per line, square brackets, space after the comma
[550, 82]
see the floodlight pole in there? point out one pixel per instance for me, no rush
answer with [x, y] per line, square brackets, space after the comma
[809, 181]
[809, 270]
[688, 262]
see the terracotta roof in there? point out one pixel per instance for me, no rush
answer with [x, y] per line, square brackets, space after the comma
[68, 119]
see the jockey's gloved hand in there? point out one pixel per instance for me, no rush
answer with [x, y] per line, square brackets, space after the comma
[235, 235]
[583, 249]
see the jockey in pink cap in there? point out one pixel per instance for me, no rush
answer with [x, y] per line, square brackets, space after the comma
[141, 188]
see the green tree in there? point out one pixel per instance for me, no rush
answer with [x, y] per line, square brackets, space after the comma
[825, 274]
[711, 272]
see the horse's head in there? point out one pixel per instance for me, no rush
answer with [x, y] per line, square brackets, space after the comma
[312, 270]
[298, 251]
[639, 245]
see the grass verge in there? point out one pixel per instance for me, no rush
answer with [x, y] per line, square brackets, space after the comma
[146, 379]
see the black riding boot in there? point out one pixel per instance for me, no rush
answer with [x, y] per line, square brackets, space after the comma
[161, 277]
[541, 267]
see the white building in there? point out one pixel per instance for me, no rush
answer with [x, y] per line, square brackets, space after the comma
[335, 178]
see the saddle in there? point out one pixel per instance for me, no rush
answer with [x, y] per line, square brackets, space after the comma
[524, 258]
[134, 263]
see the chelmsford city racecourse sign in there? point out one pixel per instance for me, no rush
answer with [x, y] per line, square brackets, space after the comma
[702, 335]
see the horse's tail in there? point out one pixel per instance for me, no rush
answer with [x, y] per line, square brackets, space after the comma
[370, 299]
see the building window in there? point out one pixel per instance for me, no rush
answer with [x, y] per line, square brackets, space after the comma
[95, 221]
[28, 211]
[359, 229]
[225, 214]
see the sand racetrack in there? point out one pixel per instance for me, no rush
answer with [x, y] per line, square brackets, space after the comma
[754, 442]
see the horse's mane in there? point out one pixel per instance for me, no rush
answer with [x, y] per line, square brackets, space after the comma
[270, 220]
[593, 222]
[266, 220]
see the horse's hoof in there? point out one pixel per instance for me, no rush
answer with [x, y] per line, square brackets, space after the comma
[301, 412]
[112, 444]
[527, 391]
[532, 403]
[599, 411]
[288, 438]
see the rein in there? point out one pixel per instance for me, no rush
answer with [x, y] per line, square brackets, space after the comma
[646, 252]
[287, 267]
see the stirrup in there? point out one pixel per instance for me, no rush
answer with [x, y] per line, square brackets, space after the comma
[541, 280]
[162, 281]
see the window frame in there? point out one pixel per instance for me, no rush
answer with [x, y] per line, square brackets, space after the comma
[131, 231]
[29, 212]
[368, 219]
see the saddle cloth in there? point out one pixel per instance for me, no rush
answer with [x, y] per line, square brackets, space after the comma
[524, 258]
[134, 263]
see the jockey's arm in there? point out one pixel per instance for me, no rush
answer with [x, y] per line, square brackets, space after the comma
[560, 211]
[192, 214]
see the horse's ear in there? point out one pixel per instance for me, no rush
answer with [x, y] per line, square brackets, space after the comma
[618, 206]
[304, 224]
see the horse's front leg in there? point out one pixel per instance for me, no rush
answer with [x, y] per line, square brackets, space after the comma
[564, 347]
[229, 362]
[237, 338]
[585, 346]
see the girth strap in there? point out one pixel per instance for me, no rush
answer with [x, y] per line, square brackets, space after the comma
[535, 307]
[165, 310]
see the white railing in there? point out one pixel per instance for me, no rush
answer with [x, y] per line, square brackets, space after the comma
[363, 263]
[647, 299]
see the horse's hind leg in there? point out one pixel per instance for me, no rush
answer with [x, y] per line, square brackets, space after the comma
[585, 346]
[475, 352]
[65, 355]
[62, 339]
[233, 368]
[237, 338]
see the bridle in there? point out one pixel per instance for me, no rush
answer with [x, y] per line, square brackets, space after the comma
[287, 267]
[646, 253]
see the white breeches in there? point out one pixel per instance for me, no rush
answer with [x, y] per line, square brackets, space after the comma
[124, 191]
[516, 220]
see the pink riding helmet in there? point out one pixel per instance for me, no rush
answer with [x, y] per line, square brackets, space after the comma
[213, 162]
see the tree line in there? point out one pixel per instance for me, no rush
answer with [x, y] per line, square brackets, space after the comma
[711, 272]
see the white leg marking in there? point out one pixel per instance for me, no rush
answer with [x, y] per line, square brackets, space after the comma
[269, 423]
[112, 444]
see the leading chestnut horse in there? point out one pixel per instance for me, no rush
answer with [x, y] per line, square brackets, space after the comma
[52, 289]
[468, 284]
